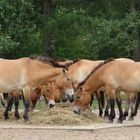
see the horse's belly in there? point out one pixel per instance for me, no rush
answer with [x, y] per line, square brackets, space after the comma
[131, 85]
[9, 87]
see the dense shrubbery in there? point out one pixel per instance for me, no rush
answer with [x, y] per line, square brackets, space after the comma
[78, 29]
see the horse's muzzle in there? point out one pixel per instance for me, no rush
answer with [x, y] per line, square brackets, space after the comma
[77, 110]
[51, 103]
[71, 99]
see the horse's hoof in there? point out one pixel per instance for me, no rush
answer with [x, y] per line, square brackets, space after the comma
[119, 121]
[27, 122]
[17, 117]
[109, 121]
[100, 115]
[105, 118]
[124, 118]
[6, 118]
[26, 118]
[130, 118]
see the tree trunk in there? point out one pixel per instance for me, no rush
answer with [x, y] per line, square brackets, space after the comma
[136, 52]
[47, 9]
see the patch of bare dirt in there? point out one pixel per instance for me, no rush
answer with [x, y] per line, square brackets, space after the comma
[122, 133]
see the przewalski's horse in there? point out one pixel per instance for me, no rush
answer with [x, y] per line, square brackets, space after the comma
[64, 84]
[24, 75]
[130, 98]
[115, 76]
[79, 71]
[47, 90]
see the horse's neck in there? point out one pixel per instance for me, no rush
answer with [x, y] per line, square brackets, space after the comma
[48, 74]
[93, 83]
[56, 75]
[59, 81]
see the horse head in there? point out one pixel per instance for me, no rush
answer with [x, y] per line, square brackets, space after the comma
[49, 90]
[64, 83]
[82, 100]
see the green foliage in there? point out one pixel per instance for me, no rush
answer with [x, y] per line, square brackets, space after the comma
[19, 21]
[71, 34]
[116, 38]
[78, 28]
[7, 47]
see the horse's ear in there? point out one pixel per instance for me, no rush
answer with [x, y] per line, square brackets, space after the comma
[64, 71]
[53, 83]
[80, 88]
[47, 83]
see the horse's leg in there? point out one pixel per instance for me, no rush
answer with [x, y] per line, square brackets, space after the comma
[127, 105]
[16, 101]
[111, 95]
[133, 101]
[33, 104]
[90, 106]
[3, 102]
[26, 101]
[92, 98]
[106, 113]
[119, 104]
[98, 96]
[10, 101]
[137, 104]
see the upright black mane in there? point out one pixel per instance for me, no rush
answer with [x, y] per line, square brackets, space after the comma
[47, 60]
[95, 69]
[73, 62]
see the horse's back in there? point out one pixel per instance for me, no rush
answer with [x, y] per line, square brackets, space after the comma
[122, 74]
[81, 69]
[12, 73]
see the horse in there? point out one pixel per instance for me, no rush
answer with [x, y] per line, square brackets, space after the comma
[26, 74]
[47, 90]
[130, 99]
[64, 84]
[80, 69]
[112, 76]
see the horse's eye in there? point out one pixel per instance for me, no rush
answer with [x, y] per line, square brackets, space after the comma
[78, 97]
[68, 79]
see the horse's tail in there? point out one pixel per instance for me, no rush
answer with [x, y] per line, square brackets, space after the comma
[137, 104]
[102, 96]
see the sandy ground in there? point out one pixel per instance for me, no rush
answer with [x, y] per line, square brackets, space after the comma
[129, 130]
[122, 133]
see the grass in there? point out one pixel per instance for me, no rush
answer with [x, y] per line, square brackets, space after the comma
[41, 103]
[95, 103]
